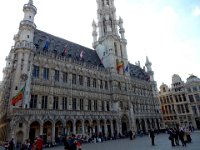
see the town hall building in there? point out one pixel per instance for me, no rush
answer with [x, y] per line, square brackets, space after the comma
[54, 87]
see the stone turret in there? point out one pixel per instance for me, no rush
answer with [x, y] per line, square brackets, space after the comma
[23, 50]
[110, 47]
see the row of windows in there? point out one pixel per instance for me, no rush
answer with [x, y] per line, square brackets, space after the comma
[65, 103]
[76, 79]
[193, 89]
[169, 99]
[194, 97]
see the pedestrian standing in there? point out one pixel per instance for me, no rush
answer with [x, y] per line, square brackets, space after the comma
[181, 137]
[66, 143]
[11, 144]
[176, 136]
[131, 135]
[152, 136]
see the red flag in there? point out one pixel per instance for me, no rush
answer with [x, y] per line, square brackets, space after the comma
[18, 97]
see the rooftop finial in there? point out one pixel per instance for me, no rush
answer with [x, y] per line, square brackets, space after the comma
[30, 2]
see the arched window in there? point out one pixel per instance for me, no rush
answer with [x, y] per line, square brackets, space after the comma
[102, 2]
[107, 2]
[104, 25]
[121, 51]
[115, 45]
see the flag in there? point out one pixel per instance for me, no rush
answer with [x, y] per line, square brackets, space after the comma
[18, 97]
[81, 54]
[126, 69]
[65, 51]
[46, 46]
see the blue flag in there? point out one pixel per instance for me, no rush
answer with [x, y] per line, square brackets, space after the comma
[126, 69]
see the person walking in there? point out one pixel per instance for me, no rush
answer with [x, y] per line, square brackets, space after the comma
[176, 136]
[152, 136]
[171, 137]
[11, 144]
[66, 143]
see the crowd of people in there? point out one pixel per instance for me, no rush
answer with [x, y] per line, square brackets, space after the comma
[177, 137]
[182, 134]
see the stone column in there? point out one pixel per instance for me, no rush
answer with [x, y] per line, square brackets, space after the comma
[83, 128]
[74, 126]
[146, 125]
[53, 133]
[106, 129]
[111, 128]
[99, 126]
[41, 129]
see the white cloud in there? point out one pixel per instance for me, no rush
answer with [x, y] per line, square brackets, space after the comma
[196, 11]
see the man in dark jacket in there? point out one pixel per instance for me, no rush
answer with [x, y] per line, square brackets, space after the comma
[152, 136]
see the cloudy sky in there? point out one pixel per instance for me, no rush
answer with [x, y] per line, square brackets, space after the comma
[167, 31]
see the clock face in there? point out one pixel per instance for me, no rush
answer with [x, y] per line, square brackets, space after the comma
[24, 77]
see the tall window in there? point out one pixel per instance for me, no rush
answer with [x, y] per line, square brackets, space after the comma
[197, 97]
[106, 85]
[121, 51]
[65, 77]
[46, 73]
[73, 78]
[55, 102]
[102, 106]
[64, 103]
[80, 80]
[89, 104]
[94, 83]
[95, 105]
[33, 102]
[101, 84]
[191, 98]
[44, 102]
[88, 81]
[107, 2]
[35, 71]
[81, 104]
[57, 74]
[115, 45]
[73, 103]
[108, 106]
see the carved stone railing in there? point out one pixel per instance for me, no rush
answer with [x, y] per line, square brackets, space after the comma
[27, 23]
[23, 111]
[24, 45]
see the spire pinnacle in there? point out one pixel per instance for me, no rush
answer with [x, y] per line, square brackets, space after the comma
[30, 2]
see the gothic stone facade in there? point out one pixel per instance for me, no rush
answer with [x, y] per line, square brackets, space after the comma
[74, 89]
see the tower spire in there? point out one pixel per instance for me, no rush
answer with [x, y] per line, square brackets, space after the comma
[30, 2]
[111, 43]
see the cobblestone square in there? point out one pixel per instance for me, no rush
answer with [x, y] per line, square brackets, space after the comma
[141, 143]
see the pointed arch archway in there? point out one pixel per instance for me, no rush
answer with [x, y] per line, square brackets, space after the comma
[19, 137]
[34, 130]
[125, 124]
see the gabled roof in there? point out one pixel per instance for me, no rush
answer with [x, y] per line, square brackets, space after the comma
[50, 43]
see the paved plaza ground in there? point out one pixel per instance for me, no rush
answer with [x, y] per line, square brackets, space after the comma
[140, 143]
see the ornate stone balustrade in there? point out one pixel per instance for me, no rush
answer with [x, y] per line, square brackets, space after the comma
[24, 44]
[23, 111]
[28, 23]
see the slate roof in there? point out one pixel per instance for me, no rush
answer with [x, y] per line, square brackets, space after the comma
[50, 43]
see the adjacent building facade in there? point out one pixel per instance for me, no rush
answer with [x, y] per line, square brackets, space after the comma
[180, 103]
[68, 88]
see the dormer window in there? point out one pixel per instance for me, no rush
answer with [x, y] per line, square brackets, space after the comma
[29, 17]
[107, 2]
[28, 36]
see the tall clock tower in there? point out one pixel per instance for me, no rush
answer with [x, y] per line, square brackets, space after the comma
[23, 52]
[109, 42]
